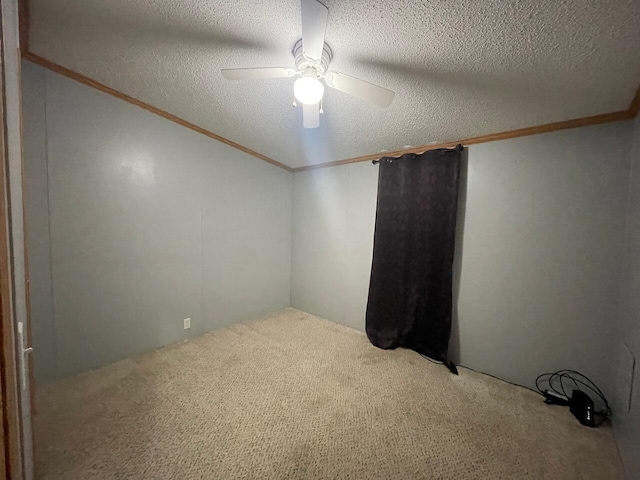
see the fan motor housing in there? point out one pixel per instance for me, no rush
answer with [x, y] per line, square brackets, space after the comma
[303, 63]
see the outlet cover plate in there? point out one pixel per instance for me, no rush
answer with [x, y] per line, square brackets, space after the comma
[187, 323]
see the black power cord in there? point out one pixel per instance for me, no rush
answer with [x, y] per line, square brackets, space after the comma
[437, 362]
[556, 392]
[557, 381]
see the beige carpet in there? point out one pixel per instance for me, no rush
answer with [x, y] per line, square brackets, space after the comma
[295, 396]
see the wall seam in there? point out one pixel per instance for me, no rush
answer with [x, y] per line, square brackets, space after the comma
[201, 328]
[625, 237]
[622, 299]
[46, 160]
[293, 181]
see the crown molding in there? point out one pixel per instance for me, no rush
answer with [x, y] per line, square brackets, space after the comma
[634, 108]
[54, 67]
[522, 132]
[24, 24]
[25, 28]
[23, 6]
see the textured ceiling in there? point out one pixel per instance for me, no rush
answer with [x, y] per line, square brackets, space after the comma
[460, 68]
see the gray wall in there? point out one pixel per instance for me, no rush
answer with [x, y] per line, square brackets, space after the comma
[149, 222]
[37, 221]
[334, 210]
[627, 338]
[538, 250]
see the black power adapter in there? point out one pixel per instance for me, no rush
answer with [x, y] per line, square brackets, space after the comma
[582, 408]
[581, 403]
[553, 398]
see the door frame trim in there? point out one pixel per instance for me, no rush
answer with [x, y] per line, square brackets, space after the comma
[13, 428]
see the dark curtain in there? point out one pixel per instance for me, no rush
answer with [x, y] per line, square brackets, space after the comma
[410, 293]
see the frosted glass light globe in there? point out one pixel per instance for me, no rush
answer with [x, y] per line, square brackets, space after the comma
[308, 90]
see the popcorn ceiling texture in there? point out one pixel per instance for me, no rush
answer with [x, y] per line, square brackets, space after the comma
[459, 68]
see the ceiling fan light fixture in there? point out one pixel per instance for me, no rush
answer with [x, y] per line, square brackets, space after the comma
[308, 90]
[312, 56]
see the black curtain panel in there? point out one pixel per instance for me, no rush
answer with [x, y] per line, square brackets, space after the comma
[410, 293]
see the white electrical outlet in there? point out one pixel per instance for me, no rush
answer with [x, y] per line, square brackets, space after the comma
[187, 323]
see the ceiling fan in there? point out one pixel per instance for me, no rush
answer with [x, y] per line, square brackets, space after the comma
[312, 58]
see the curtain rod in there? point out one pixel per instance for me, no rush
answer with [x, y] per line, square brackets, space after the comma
[458, 147]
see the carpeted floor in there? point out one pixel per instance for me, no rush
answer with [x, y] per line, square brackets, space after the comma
[294, 396]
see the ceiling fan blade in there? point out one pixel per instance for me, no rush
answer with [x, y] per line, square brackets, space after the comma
[257, 73]
[359, 88]
[311, 115]
[314, 25]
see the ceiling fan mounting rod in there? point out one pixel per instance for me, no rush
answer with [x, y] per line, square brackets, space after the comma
[303, 62]
[312, 57]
